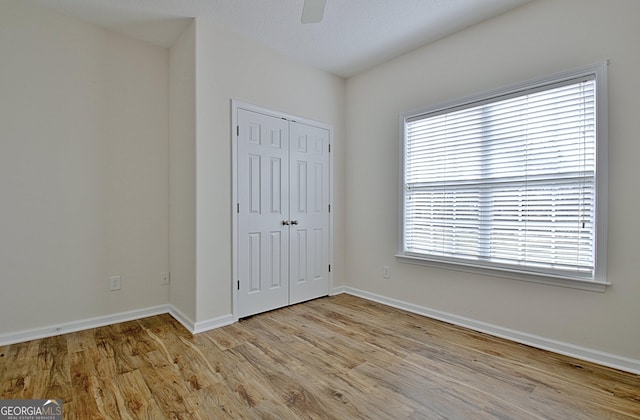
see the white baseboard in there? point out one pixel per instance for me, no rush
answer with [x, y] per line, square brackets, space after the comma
[212, 324]
[100, 321]
[606, 359]
[200, 326]
[179, 316]
[340, 289]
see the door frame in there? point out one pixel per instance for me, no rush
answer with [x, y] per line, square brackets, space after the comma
[235, 106]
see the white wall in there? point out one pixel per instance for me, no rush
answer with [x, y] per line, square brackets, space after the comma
[182, 170]
[230, 67]
[540, 38]
[83, 170]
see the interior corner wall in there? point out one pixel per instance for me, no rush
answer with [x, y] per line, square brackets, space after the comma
[230, 67]
[182, 173]
[83, 170]
[540, 38]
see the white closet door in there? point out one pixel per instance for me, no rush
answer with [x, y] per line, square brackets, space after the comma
[282, 238]
[263, 202]
[309, 212]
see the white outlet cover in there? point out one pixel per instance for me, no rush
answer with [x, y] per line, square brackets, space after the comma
[164, 278]
[114, 283]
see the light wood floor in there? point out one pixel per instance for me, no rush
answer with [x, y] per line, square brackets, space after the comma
[339, 357]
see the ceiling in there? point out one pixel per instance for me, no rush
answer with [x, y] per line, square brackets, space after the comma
[353, 36]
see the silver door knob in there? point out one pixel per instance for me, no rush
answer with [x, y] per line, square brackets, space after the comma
[285, 223]
[294, 222]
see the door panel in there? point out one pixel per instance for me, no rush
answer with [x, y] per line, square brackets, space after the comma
[310, 208]
[263, 198]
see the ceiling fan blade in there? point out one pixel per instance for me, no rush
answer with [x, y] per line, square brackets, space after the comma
[313, 11]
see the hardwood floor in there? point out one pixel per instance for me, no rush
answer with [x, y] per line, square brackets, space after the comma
[339, 357]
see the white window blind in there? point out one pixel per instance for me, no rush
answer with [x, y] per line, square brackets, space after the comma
[506, 182]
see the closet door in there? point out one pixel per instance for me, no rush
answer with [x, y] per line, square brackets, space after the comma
[309, 212]
[282, 238]
[263, 212]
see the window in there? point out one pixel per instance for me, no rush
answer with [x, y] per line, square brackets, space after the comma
[513, 180]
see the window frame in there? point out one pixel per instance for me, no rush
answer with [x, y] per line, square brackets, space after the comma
[599, 282]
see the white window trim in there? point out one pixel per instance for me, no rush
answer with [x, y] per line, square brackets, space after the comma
[600, 282]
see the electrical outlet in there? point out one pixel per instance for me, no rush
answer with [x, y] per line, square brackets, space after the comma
[386, 272]
[164, 279]
[114, 283]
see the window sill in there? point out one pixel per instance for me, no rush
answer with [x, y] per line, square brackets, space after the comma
[592, 286]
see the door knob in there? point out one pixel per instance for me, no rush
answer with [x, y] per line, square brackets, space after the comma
[294, 222]
[285, 223]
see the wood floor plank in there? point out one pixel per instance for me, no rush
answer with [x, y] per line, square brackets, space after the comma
[339, 357]
[135, 399]
[85, 394]
[214, 403]
[53, 362]
[81, 341]
[16, 367]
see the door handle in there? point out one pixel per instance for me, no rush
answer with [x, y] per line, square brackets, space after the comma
[285, 223]
[294, 222]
